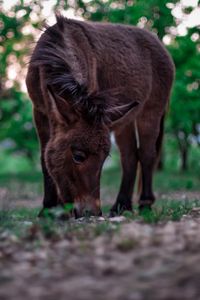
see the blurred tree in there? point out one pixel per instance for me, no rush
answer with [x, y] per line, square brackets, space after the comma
[17, 131]
[16, 38]
[184, 117]
[152, 14]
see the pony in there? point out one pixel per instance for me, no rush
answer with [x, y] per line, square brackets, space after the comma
[85, 81]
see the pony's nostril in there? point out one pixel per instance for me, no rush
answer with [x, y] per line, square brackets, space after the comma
[87, 208]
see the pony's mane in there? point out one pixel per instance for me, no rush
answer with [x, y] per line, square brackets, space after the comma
[50, 53]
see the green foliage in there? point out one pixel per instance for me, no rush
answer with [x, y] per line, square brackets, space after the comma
[17, 131]
[185, 104]
[153, 14]
[12, 39]
[184, 116]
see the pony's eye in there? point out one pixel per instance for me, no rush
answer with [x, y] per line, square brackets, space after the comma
[78, 156]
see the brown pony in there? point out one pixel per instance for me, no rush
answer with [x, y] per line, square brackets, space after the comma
[86, 80]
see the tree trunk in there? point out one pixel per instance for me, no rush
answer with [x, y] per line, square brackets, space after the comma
[160, 164]
[184, 159]
[30, 156]
[184, 149]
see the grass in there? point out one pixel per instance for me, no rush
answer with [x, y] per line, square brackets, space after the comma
[169, 210]
[27, 185]
[17, 220]
[24, 222]
[164, 181]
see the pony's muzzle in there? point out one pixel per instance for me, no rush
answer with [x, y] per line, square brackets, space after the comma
[87, 207]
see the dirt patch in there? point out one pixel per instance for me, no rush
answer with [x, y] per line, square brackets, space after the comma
[134, 261]
[102, 260]
[181, 195]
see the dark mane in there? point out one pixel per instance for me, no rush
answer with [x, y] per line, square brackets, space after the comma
[50, 54]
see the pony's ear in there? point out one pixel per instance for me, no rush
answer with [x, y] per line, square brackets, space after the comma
[115, 113]
[115, 105]
[61, 111]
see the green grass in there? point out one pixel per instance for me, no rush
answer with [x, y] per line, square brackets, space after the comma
[164, 181]
[24, 222]
[17, 220]
[169, 210]
[27, 185]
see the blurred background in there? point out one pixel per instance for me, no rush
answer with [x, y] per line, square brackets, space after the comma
[177, 24]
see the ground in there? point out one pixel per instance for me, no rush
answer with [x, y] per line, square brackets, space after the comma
[151, 256]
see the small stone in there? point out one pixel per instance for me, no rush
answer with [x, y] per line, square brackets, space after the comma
[117, 219]
[27, 223]
[101, 219]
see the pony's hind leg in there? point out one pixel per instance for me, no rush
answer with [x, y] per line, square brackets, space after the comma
[150, 144]
[147, 197]
[126, 142]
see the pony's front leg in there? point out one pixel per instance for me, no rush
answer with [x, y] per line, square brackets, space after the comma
[50, 194]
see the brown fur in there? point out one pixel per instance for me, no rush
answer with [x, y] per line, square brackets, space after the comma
[85, 80]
